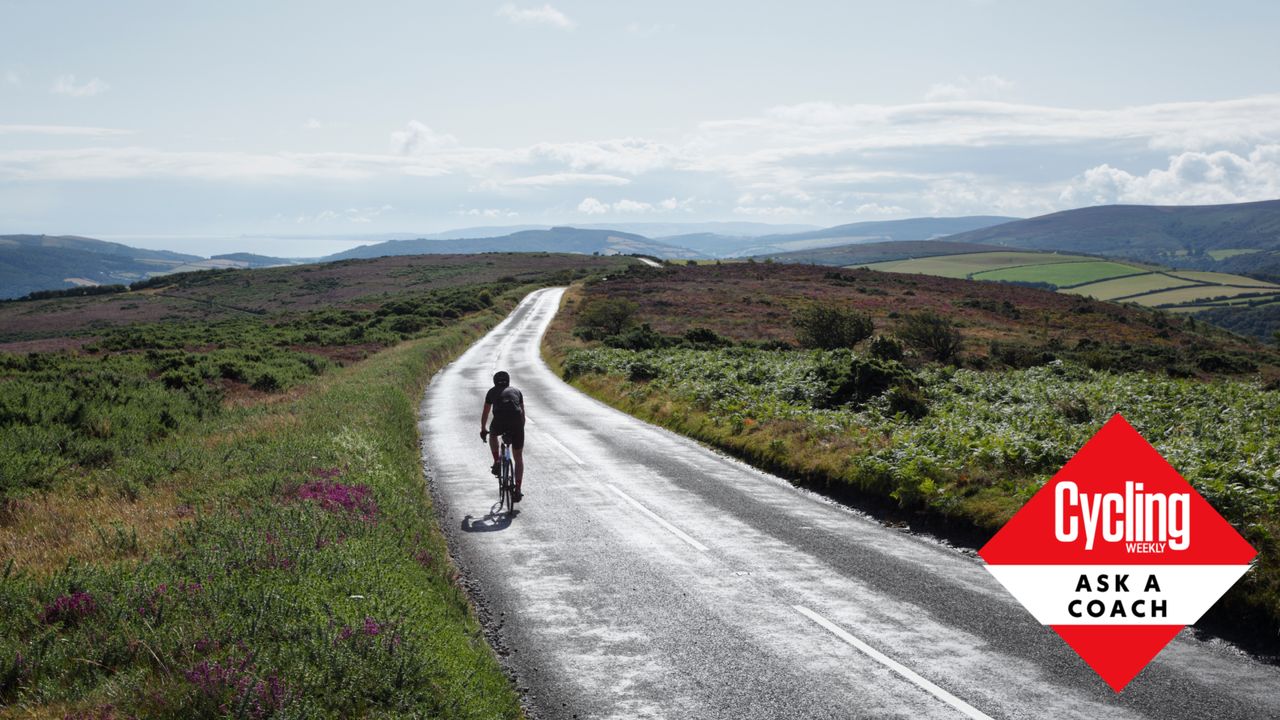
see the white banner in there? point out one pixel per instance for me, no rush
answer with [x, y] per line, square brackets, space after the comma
[1117, 594]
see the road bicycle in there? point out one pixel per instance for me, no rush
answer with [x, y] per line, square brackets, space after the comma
[506, 477]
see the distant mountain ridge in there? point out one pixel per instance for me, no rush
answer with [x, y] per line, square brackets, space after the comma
[557, 239]
[909, 229]
[1237, 238]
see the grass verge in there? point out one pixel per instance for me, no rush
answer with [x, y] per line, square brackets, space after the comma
[291, 567]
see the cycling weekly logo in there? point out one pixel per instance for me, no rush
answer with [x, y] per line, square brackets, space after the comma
[1117, 553]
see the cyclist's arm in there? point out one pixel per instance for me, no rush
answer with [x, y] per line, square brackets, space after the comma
[484, 417]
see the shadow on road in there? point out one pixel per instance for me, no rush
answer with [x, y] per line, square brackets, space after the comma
[492, 522]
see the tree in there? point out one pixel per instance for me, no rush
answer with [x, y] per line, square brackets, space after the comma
[829, 326]
[606, 316]
[934, 335]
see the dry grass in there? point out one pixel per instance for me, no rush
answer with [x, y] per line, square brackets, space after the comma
[43, 532]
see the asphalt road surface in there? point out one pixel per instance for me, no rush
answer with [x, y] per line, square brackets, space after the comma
[646, 576]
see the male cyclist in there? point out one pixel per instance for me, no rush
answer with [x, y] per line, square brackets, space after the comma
[507, 405]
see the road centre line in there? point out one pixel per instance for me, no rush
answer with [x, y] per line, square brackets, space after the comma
[652, 515]
[906, 672]
[563, 449]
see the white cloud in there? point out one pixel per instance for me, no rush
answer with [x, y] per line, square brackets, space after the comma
[67, 85]
[627, 206]
[632, 206]
[567, 179]
[820, 161]
[545, 15]
[1192, 178]
[12, 78]
[419, 139]
[881, 210]
[987, 87]
[592, 206]
[312, 124]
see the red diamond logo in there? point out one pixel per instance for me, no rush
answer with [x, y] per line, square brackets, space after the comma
[1117, 553]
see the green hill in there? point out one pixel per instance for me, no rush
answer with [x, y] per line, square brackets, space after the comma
[1240, 238]
[725, 244]
[45, 262]
[865, 253]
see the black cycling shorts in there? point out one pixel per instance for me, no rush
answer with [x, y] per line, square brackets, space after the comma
[513, 430]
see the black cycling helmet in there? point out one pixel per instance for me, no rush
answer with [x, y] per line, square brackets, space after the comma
[501, 378]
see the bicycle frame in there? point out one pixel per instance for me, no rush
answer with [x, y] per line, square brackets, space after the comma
[506, 478]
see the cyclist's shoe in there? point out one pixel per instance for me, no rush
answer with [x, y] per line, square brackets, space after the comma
[517, 496]
[495, 468]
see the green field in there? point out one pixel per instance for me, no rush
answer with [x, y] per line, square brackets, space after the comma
[1195, 294]
[1231, 252]
[1087, 276]
[1218, 278]
[1132, 285]
[1061, 274]
[966, 265]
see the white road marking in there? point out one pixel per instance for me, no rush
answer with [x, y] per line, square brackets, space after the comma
[563, 449]
[674, 530]
[906, 672]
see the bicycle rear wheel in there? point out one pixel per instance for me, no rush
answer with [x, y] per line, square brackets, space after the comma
[507, 485]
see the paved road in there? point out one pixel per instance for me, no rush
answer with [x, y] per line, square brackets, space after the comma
[647, 577]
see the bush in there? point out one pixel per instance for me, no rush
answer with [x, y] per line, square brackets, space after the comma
[886, 348]
[830, 327]
[909, 401]
[701, 338]
[1224, 363]
[642, 369]
[848, 379]
[934, 335]
[638, 338]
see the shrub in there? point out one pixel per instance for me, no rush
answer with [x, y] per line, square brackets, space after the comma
[638, 338]
[830, 327]
[886, 348]
[1223, 363]
[701, 338]
[847, 379]
[934, 335]
[642, 369]
[907, 400]
[579, 363]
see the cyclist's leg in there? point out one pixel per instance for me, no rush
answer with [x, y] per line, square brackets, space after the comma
[493, 444]
[517, 454]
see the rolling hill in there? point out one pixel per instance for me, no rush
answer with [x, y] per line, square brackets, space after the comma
[863, 232]
[723, 244]
[42, 262]
[863, 253]
[557, 239]
[1239, 238]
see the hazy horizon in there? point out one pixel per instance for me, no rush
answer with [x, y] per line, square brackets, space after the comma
[151, 120]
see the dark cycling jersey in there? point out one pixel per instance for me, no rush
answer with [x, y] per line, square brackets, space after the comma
[508, 414]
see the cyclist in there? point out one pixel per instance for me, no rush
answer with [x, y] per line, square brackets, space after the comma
[507, 405]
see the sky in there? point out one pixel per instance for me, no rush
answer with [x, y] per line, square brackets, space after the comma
[183, 123]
